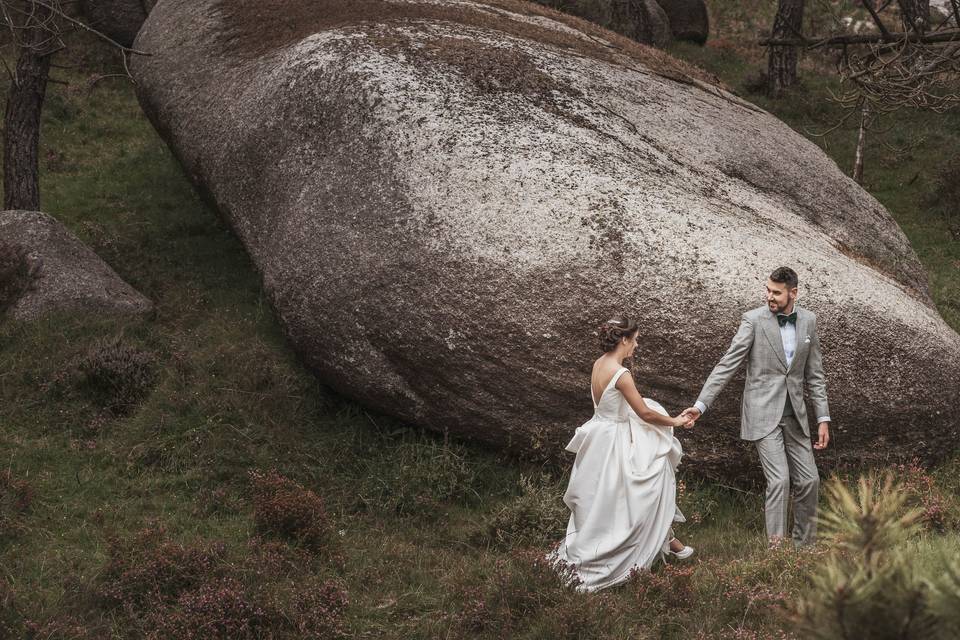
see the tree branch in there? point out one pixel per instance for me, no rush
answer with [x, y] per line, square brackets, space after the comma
[947, 35]
[80, 24]
[877, 20]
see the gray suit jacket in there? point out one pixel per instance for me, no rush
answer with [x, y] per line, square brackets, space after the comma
[769, 380]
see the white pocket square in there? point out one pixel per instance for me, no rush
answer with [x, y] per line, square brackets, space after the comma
[807, 341]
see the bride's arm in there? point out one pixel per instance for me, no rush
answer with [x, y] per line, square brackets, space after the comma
[628, 388]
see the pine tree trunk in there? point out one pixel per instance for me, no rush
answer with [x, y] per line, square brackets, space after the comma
[916, 14]
[782, 63]
[861, 143]
[21, 139]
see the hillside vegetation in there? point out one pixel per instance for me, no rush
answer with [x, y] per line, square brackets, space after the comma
[183, 476]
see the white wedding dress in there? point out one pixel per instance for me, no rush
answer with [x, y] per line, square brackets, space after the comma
[621, 495]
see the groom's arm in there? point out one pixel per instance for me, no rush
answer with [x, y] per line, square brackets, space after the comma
[728, 365]
[815, 379]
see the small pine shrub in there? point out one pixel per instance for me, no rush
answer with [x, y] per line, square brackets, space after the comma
[16, 274]
[945, 197]
[116, 374]
[869, 582]
[944, 600]
[537, 517]
[16, 496]
[148, 569]
[284, 509]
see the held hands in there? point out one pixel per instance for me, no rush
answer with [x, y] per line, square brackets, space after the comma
[823, 438]
[687, 418]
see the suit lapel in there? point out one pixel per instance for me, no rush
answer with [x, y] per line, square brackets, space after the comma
[801, 336]
[771, 329]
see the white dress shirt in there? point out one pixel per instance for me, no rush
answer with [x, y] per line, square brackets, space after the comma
[788, 336]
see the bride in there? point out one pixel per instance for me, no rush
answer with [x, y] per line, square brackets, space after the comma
[622, 491]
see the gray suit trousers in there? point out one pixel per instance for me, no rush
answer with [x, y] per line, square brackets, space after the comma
[786, 455]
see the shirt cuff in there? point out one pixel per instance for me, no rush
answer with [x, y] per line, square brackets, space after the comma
[823, 419]
[702, 408]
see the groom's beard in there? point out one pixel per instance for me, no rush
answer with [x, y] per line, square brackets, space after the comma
[777, 308]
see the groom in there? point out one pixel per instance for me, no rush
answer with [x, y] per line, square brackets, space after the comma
[780, 346]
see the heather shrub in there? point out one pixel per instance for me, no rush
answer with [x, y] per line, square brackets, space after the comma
[149, 569]
[418, 477]
[11, 623]
[116, 374]
[524, 595]
[754, 590]
[667, 585]
[284, 509]
[62, 627]
[216, 501]
[537, 517]
[16, 274]
[16, 495]
[227, 608]
[217, 610]
[937, 508]
[297, 602]
[316, 610]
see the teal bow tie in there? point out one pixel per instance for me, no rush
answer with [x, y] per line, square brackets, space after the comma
[784, 319]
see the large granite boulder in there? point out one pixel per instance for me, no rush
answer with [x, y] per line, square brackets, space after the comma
[119, 19]
[446, 197]
[688, 19]
[641, 20]
[65, 274]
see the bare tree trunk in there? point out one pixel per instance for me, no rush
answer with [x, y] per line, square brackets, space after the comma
[21, 138]
[916, 14]
[782, 63]
[861, 142]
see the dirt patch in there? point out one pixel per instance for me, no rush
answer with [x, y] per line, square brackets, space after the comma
[493, 69]
[253, 28]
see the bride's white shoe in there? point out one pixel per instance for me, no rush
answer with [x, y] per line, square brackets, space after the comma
[683, 554]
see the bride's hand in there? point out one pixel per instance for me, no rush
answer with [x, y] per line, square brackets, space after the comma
[684, 421]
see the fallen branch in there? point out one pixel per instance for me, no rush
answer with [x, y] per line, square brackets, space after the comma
[948, 35]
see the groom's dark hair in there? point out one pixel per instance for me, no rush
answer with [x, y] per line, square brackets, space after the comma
[785, 275]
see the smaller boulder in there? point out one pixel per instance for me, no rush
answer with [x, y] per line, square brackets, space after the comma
[59, 273]
[641, 20]
[119, 20]
[688, 19]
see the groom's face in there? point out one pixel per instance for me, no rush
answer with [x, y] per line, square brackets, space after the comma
[779, 297]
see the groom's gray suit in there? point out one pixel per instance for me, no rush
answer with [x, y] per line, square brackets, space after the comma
[773, 413]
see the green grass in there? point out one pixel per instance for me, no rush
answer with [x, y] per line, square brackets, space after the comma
[416, 519]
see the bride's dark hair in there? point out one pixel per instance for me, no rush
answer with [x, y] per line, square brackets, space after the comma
[614, 330]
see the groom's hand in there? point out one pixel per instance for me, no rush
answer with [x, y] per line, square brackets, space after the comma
[691, 413]
[823, 436]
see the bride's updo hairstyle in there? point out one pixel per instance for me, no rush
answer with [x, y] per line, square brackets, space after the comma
[614, 330]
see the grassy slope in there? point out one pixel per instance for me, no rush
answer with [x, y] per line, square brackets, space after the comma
[229, 397]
